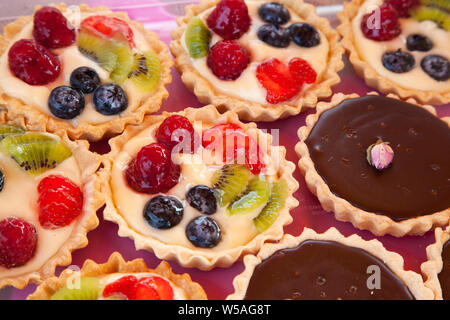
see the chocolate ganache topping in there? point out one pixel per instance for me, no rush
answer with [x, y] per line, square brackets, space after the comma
[323, 270]
[444, 275]
[416, 182]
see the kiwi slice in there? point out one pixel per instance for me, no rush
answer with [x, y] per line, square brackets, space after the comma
[432, 13]
[7, 129]
[98, 49]
[229, 182]
[125, 63]
[269, 214]
[441, 4]
[146, 71]
[256, 194]
[197, 38]
[88, 290]
[35, 152]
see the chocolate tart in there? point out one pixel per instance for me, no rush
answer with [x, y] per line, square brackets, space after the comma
[116, 265]
[326, 266]
[437, 269]
[410, 196]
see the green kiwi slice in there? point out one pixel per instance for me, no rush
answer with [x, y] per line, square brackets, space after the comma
[441, 4]
[7, 129]
[271, 211]
[229, 182]
[88, 290]
[256, 194]
[125, 62]
[435, 14]
[197, 38]
[146, 71]
[98, 49]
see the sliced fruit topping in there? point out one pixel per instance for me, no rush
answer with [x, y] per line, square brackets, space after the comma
[177, 131]
[2, 180]
[202, 198]
[17, 242]
[52, 29]
[203, 232]
[229, 182]
[65, 102]
[441, 4]
[7, 129]
[88, 290]
[123, 287]
[398, 61]
[60, 202]
[301, 71]
[402, 6]
[274, 35]
[271, 211]
[110, 99]
[35, 152]
[109, 28]
[125, 63]
[304, 35]
[418, 42]
[256, 194]
[152, 171]
[227, 59]
[274, 13]
[145, 71]
[197, 38]
[163, 212]
[98, 49]
[437, 67]
[381, 24]
[32, 63]
[229, 19]
[147, 288]
[435, 14]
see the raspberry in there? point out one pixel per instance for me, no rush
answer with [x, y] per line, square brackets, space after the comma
[152, 171]
[109, 27]
[386, 29]
[17, 242]
[229, 19]
[60, 202]
[402, 6]
[174, 130]
[51, 28]
[301, 71]
[33, 63]
[227, 59]
[123, 286]
[147, 288]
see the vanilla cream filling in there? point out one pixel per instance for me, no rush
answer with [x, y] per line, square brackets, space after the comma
[19, 199]
[247, 85]
[372, 51]
[70, 58]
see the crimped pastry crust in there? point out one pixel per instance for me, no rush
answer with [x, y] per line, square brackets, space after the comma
[92, 132]
[345, 211]
[185, 256]
[248, 110]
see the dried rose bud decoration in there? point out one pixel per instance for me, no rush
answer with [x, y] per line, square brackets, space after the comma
[380, 155]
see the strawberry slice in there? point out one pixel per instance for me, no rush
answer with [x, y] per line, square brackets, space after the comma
[148, 286]
[301, 71]
[124, 286]
[110, 28]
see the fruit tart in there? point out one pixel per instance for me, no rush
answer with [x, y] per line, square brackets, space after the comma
[379, 162]
[437, 269]
[327, 266]
[198, 187]
[49, 193]
[86, 71]
[263, 60]
[400, 46]
[119, 280]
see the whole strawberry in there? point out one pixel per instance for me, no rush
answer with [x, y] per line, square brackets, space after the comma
[227, 59]
[229, 19]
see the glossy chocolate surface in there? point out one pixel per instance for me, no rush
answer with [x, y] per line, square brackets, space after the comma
[323, 270]
[444, 275]
[416, 183]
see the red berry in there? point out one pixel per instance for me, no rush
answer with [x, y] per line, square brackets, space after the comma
[17, 242]
[109, 27]
[227, 59]
[229, 19]
[173, 130]
[152, 171]
[387, 28]
[52, 29]
[33, 63]
[124, 287]
[153, 288]
[60, 202]
[301, 71]
[403, 6]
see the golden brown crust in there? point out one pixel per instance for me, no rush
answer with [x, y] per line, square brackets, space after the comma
[393, 260]
[116, 264]
[369, 74]
[345, 211]
[248, 110]
[93, 200]
[92, 132]
[432, 267]
[185, 256]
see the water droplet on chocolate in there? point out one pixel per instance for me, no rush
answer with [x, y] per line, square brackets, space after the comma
[353, 289]
[325, 138]
[383, 125]
[412, 132]
[321, 281]
[330, 159]
[323, 294]
[318, 148]
[345, 161]
[434, 192]
[435, 167]
[363, 175]
[296, 295]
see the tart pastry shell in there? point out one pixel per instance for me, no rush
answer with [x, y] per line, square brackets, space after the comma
[369, 74]
[343, 210]
[94, 131]
[188, 257]
[393, 260]
[248, 110]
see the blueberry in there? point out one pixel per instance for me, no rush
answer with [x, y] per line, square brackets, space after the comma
[274, 12]
[417, 42]
[203, 232]
[110, 99]
[163, 212]
[203, 199]
[274, 35]
[398, 61]
[304, 35]
[84, 79]
[66, 102]
[2, 180]
[436, 67]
